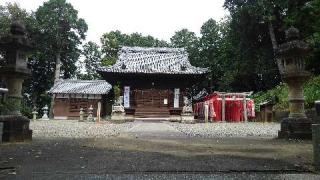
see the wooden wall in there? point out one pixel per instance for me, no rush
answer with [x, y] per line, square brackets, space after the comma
[70, 107]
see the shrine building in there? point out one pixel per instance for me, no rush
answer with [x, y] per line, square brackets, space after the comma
[71, 95]
[153, 81]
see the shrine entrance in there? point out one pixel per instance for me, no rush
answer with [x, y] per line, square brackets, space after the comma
[152, 102]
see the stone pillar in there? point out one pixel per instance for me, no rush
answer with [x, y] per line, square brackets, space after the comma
[206, 112]
[1, 131]
[292, 55]
[223, 108]
[14, 86]
[245, 112]
[316, 145]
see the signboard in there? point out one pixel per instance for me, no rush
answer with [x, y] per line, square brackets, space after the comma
[165, 101]
[126, 97]
[176, 98]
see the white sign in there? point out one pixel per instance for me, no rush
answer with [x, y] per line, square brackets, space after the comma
[165, 101]
[126, 97]
[176, 98]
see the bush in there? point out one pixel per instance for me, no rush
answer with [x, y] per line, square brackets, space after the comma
[279, 95]
[312, 91]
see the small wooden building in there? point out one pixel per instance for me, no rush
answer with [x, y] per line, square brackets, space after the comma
[266, 112]
[153, 80]
[71, 95]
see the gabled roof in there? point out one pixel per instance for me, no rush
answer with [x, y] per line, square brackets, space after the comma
[80, 87]
[153, 61]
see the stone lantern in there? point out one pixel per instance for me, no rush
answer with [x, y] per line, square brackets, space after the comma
[292, 57]
[15, 48]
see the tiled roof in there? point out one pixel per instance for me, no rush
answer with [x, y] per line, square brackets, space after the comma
[80, 87]
[153, 60]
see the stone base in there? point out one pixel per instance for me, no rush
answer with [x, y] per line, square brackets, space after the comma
[175, 118]
[118, 117]
[295, 128]
[15, 128]
[187, 119]
[129, 118]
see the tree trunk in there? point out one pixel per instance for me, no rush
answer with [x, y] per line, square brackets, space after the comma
[274, 45]
[56, 78]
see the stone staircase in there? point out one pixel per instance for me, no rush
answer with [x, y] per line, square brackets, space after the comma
[152, 113]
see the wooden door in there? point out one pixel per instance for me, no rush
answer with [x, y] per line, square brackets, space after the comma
[151, 98]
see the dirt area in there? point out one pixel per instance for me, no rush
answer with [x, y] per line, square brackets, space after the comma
[142, 152]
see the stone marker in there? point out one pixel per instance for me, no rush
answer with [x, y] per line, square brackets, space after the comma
[45, 113]
[316, 145]
[81, 113]
[34, 113]
[90, 116]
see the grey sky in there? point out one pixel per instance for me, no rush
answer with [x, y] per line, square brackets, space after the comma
[159, 18]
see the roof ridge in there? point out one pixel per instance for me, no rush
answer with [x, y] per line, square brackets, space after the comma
[80, 80]
[152, 49]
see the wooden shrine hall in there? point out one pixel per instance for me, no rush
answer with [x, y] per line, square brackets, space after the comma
[153, 80]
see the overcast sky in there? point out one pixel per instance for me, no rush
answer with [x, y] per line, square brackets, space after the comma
[158, 18]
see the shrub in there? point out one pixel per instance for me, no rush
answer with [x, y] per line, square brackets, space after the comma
[279, 95]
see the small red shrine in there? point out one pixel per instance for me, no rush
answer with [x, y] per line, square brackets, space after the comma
[230, 107]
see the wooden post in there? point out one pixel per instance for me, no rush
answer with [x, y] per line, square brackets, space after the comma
[206, 112]
[99, 112]
[223, 108]
[245, 113]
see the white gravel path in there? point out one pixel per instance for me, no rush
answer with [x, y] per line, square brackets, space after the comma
[211, 130]
[75, 129]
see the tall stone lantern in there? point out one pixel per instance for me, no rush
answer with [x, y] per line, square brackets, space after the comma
[292, 56]
[15, 48]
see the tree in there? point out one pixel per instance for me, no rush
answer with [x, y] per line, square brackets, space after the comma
[188, 40]
[114, 40]
[61, 32]
[93, 56]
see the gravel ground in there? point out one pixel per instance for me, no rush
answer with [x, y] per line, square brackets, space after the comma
[75, 129]
[212, 130]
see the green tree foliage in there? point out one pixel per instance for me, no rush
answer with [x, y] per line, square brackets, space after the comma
[188, 40]
[114, 40]
[93, 56]
[53, 27]
[279, 94]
